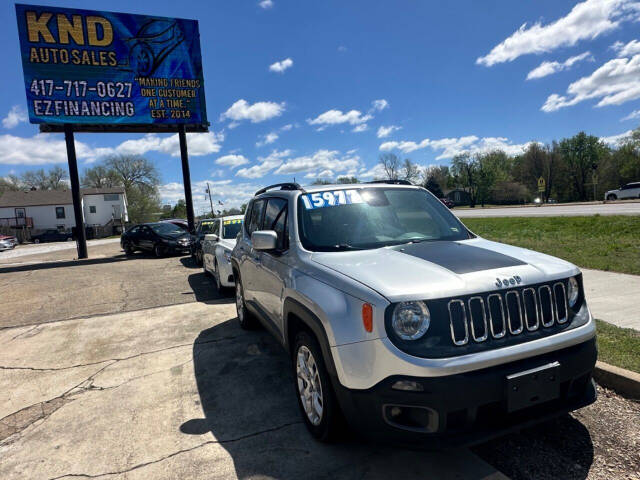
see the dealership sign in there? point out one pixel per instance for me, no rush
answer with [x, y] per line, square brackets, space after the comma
[100, 68]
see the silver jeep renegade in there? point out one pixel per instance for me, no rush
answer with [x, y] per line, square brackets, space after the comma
[402, 322]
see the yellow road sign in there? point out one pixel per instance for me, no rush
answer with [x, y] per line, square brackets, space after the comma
[541, 184]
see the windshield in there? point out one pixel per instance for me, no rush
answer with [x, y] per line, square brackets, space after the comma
[374, 217]
[167, 229]
[208, 227]
[231, 228]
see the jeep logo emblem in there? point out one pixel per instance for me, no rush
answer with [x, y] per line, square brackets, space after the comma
[506, 282]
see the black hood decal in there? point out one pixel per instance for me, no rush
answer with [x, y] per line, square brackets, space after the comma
[457, 257]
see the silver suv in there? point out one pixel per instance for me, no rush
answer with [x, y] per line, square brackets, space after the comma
[406, 324]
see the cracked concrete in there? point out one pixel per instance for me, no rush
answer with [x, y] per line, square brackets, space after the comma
[163, 392]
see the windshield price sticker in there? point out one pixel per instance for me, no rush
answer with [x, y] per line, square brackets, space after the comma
[231, 222]
[331, 199]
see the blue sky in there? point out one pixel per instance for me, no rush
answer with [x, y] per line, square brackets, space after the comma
[319, 89]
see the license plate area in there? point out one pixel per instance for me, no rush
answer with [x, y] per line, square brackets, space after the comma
[532, 387]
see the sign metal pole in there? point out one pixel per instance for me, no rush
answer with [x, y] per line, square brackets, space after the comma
[186, 176]
[81, 238]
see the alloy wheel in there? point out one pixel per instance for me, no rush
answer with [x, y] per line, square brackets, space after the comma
[309, 385]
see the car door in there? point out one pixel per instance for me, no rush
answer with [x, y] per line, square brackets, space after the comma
[249, 258]
[634, 191]
[271, 269]
[145, 239]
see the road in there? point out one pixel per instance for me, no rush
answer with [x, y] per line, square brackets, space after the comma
[39, 248]
[552, 210]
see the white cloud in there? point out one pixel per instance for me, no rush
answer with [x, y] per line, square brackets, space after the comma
[42, 149]
[616, 140]
[626, 50]
[266, 4]
[585, 21]
[450, 147]
[281, 66]
[258, 112]
[377, 171]
[384, 132]
[549, 68]
[16, 115]
[198, 144]
[380, 105]
[321, 161]
[230, 193]
[336, 117]
[267, 139]
[614, 83]
[286, 128]
[352, 117]
[232, 161]
[266, 165]
[632, 116]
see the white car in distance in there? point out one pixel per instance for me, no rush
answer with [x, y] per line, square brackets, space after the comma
[630, 190]
[216, 250]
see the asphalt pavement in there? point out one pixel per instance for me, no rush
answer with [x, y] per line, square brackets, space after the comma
[561, 210]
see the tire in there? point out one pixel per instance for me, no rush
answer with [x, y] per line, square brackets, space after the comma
[37, 240]
[216, 276]
[314, 390]
[158, 251]
[128, 249]
[245, 318]
[611, 197]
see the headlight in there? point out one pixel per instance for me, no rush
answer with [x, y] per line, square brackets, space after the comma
[410, 320]
[227, 255]
[573, 292]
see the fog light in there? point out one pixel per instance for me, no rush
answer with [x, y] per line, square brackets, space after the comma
[396, 411]
[408, 386]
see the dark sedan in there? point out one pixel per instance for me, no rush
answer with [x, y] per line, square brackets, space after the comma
[161, 238]
[52, 235]
[447, 202]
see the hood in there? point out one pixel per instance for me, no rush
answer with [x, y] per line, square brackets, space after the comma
[442, 269]
[227, 243]
[177, 237]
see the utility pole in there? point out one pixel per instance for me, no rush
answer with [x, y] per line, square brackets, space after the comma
[210, 201]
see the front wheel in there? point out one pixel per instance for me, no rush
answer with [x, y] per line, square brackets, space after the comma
[246, 320]
[316, 398]
[611, 197]
[158, 251]
[216, 276]
[128, 249]
[37, 240]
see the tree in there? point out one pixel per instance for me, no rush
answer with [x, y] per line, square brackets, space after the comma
[345, 180]
[391, 165]
[439, 173]
[133, 170]
[179, 210]
[140, 180]
[321, 181]
[464, 169]
[433, 186]
[394, 169]
[581, 152]
[10, 183]
[41, 180]
[100, 177]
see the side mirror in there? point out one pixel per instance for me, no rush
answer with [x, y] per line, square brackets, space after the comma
[212, 237]
[264, 240]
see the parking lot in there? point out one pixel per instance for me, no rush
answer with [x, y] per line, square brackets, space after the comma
[136, 368]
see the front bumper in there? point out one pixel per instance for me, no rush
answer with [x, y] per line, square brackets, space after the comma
[469, 407]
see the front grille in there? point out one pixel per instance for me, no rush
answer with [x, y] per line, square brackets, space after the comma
[494, 315]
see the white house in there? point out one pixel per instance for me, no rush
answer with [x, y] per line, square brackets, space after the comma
[44, 209]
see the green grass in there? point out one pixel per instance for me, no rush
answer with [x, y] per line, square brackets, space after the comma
[618, 346]
[601, 242]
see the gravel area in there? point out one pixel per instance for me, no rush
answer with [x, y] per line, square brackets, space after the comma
[601, 441]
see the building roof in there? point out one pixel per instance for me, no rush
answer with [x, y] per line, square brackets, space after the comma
[31, 198]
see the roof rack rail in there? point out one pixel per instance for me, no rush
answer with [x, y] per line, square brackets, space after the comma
[283, 186]
[392, 182]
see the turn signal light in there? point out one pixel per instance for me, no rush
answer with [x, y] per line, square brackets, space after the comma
[367, 317]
